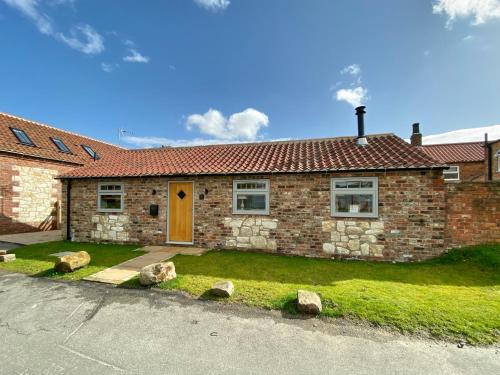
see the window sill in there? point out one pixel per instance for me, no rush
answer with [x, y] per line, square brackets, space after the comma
[250, 213]
[356, 216]
[110, 211]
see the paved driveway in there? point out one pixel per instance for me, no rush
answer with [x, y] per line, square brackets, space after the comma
[32, 237]
[49, 327]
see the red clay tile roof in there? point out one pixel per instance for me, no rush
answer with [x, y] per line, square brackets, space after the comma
[385, 151]
[456, 152]
[44, 147]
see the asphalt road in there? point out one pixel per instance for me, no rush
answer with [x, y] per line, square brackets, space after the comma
[49, 327]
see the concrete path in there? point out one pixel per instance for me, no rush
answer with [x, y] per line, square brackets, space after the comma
[32, 237]
[127, 270]
[51, 327]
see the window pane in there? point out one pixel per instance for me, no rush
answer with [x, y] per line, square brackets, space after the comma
[450, 176]
[23, 137]
[354, 203]
[110, 188]
[353, 184]
[251, 185]
[111, 202]
[247, 202]
[61, 145]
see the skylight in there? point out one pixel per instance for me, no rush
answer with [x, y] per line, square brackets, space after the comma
[61, 145]
[91, 152]
[22, 137]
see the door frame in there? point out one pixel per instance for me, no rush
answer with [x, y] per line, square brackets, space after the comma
[192, 214]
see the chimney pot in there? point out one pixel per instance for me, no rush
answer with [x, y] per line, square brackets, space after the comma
[416, 136]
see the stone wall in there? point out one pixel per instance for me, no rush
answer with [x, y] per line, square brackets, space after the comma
[472, 213]
[29, 194]
[354, 238]
[410, 223]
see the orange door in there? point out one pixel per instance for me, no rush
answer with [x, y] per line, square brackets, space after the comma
[180, 212]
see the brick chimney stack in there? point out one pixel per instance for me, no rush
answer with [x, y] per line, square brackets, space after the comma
[416, 136]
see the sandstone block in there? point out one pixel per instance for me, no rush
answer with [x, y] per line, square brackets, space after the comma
[156, 273]
[329, 248]
[354, 230]
[246, 231]
[72, 262]
[269, 224]
[308, 302]
[258, 242]
[369, 238]
[7, 258]
[223, 288]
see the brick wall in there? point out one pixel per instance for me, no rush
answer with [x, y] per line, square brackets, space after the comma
[29, 194]
[472, 213]
[410, 223]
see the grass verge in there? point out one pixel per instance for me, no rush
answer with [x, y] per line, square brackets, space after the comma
[453, 297]
[34, 260]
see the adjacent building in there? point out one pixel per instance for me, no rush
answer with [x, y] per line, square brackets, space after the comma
[31, 156]
[467, 161]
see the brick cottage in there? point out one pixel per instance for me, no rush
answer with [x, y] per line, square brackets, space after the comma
[373, 197]
[31, 156]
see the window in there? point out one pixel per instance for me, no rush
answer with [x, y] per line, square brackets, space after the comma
[60, 145]
[355, 197]
[452, 173]
[91, 152]
[497, 155]
[110, 197]
[22, 137]
[251, 197]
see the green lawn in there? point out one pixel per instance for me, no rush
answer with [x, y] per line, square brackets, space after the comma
[34, 260]
[454, 297]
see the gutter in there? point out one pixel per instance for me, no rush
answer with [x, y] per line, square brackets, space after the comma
[489, 175]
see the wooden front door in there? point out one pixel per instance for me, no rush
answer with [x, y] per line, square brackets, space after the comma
[180, 212]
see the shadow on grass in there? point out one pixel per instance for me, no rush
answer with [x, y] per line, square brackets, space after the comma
[473, 266]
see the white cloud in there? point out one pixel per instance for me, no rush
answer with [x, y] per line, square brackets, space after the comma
[468, 38]
[108, 67]
[353, 69]
[243, 126]
[354, 97]
[463, 135]
[30, 9]
[136, 57]
[91, 43]
[480, 10]
[213, 4]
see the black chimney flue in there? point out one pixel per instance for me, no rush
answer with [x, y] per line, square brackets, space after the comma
[360, 112]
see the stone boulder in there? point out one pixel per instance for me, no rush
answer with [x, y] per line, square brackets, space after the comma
[308, 302]
[72, 262]
[156, 273]
[223, 288]
[7, 257]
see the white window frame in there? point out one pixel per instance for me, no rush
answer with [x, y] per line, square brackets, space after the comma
[445, 171]
[360, 191]
[264, 191]
[100, 192]
[497, 155]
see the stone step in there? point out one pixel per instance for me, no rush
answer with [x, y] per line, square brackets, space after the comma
[7, 257]
[3, 252]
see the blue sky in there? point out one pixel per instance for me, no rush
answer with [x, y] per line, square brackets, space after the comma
[207, 71]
